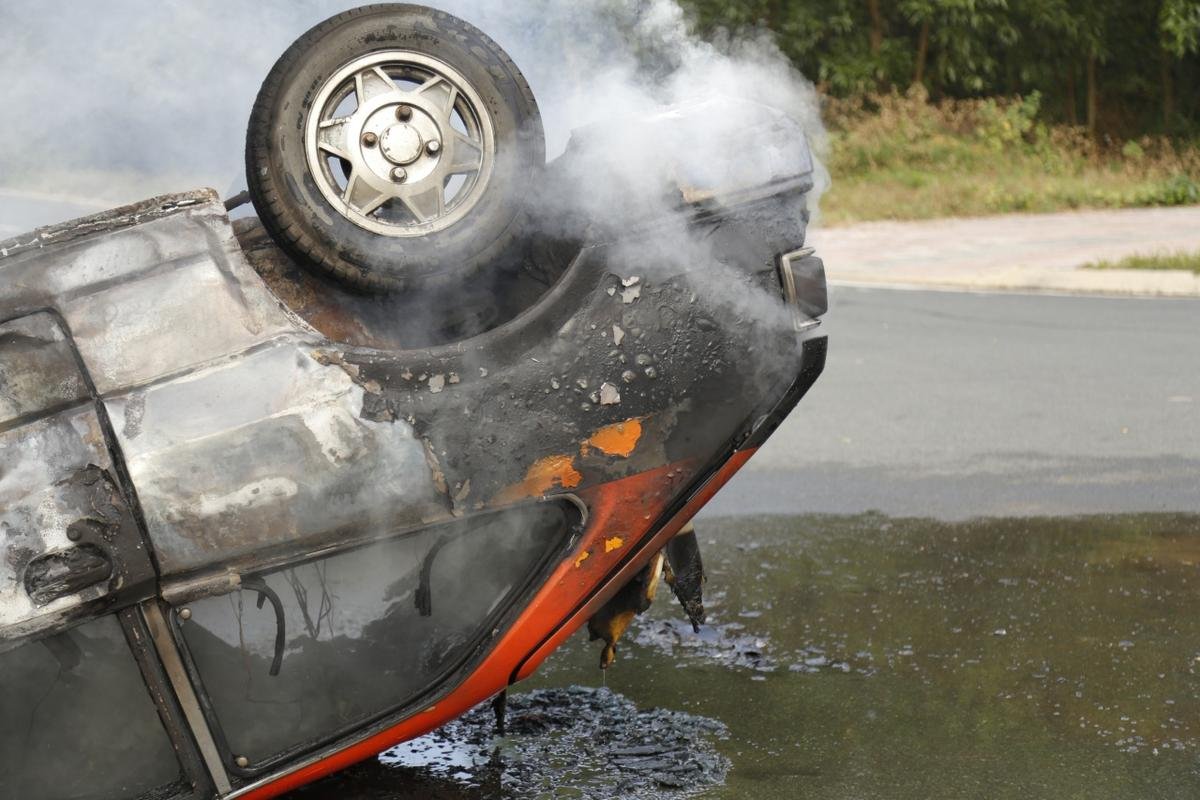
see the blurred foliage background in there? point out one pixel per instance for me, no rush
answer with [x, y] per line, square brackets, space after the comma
[942, 107]
[1122, 67]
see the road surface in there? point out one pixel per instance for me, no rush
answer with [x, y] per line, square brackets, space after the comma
[954, 404]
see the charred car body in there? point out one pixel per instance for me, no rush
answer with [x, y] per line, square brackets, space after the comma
[258, 523]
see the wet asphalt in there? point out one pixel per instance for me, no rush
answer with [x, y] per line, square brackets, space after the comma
[864, 656]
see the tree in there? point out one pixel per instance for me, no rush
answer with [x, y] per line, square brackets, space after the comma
[1179, 37]
[1117, 65]
[1179, 25]
[968, 39]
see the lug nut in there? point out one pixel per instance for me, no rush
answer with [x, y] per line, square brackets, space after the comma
[403, 112]
[433, 147]
[399, 175]
[369, 139]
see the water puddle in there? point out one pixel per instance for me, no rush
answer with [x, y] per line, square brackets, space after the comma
[867, 657]
[577, 742]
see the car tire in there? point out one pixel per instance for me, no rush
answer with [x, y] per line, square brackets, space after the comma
[341, 159]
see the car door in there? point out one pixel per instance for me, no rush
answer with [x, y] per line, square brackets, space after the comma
[78, 718]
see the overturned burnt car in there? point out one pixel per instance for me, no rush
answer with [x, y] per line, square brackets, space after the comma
[275, 497]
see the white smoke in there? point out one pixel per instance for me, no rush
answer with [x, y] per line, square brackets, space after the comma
[110, 103]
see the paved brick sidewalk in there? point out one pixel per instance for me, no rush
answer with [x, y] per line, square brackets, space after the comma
[1041, 252]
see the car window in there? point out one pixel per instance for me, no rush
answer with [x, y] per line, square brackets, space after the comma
[77, 722]
[307, 652]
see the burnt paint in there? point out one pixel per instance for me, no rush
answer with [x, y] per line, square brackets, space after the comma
[38, 371]
[107, 545]
[66, 572]
[694, 383]
[106, 562]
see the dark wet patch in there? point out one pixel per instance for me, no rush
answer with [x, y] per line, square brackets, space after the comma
[577, 742]
[724, 643]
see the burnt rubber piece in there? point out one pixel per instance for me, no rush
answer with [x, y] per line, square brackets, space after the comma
[687, 575]
[500, 709]
[635, 597]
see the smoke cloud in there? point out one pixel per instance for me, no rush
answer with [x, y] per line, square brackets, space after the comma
[109, 103]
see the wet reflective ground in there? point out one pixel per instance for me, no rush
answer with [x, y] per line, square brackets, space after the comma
[867, 657]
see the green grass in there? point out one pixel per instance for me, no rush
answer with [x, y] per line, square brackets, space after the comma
[901, 157]
[1179, 261]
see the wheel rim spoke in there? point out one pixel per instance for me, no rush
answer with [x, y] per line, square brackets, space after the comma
[371, 83]
[440, 91]
[428, 204]
[465, 156]
[362, 196]
[331, 137]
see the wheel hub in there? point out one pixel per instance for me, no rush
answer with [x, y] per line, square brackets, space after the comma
[415, 154]
[402, 144]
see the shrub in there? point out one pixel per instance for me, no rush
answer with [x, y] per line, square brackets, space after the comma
[900, 156]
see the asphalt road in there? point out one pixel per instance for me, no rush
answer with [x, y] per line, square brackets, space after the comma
[954, 404]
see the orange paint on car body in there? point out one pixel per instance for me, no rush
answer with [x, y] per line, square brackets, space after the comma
[619, 439]
[621, 511]
[543, 476]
